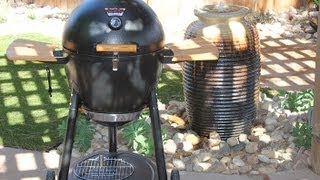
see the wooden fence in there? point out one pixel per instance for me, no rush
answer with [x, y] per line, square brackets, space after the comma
[258, 5]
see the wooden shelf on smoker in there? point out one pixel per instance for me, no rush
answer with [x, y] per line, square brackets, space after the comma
[197, 49]
[29, 50]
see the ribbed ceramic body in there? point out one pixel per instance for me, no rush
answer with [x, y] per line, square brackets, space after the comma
[222, 95]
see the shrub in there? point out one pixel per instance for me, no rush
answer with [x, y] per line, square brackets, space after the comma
[297, 101]
[3, 19]
[84, 132]
[302, 134]
[138, 135]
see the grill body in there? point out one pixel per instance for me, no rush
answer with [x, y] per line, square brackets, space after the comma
[222, 95]
[91, 74]
[123, 91]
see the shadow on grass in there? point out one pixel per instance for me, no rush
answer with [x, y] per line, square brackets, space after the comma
[28, 116]
[170, 86]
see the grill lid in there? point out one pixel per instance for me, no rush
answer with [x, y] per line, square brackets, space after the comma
[116, 22]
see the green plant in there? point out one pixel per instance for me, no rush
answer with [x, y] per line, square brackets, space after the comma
[170, 86]
[32, 16]
[302, 134]
[3, 19]
[84, 133]
[297, 101]
[260, 17]
[138, 135]
[317, 2]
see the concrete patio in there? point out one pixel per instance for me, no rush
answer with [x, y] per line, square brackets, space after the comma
[18, 164]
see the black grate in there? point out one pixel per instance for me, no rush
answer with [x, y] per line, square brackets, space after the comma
[102, 167]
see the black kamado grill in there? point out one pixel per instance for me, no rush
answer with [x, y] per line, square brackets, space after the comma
[113, 51]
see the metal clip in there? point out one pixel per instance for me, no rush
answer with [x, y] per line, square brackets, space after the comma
[115, 61]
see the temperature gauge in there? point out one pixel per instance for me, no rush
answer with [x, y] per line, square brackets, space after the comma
[115, 23]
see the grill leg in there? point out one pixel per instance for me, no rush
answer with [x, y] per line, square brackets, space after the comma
[112, 139]
[156, 130]
[69, 137]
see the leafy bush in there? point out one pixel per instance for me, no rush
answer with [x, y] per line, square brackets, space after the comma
[138, 135]
[262, 17]
[32, 16]
[3, 19]
[297, 101]
[84, 133]
[302, 134]
[317, 2]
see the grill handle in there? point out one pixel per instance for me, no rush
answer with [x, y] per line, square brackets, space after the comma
[129, 48]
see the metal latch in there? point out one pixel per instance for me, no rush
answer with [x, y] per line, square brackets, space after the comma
[115, 61]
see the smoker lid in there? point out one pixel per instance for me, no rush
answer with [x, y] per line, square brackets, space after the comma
[220, 12]
[114, 22]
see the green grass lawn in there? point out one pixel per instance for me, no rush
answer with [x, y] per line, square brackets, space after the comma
[28, 116]
[170, 86]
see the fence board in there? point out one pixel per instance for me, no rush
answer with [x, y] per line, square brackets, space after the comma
[259, 5]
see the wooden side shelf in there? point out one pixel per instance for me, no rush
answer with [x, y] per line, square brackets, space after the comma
[197, 49]
[28, 50]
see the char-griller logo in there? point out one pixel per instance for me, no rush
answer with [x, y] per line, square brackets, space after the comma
[114, 11]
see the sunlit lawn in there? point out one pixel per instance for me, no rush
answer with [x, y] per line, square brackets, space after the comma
[28, 116]
[170, 86]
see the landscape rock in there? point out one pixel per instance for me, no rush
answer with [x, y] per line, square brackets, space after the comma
[292, 10]
[276, 136]
[286, 156]
[238, 161]
[170, 147]
[287, 34]
[224, 149]
[204, 157]
[268, 153]
[232, 141]
[214, 142]
[214, 135]
[226, 160]
[201, 166]
[178, 138]
[267, 170]
[253, 138]
[258, 131]
[218, 167]
[286, 165]
[178, 164]
[267, 104]
[308, 36]
[238, 148]
[181, 105]
[252, 159]
[243, 138]
[263, 158]
[177, 120]
[255, 173]
[265, 138]
[192, 138]
[187, 146]
[271, 121]
[252, 147]
[310, 30]
[245, 169]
